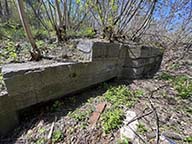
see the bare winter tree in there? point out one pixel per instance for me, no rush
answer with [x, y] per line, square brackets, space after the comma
[174, 27]
[114, 17]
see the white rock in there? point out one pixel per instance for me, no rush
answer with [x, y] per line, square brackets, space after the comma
[128, 130]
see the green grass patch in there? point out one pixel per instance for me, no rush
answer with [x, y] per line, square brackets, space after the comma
[112, 119]
[182, 84]
[165, 76]
[80, 115]
[57, 136]
[188, 139]
[122, 95]
[124, 141]
[118, 97]
[141, 128]
[41, 141]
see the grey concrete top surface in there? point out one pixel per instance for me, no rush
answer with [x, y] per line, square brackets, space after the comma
[9, 69]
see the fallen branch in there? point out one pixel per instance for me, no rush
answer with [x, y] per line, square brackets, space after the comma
[139, 117]
[155, 112]
[138, 136]
[51, 130]
[157, 122]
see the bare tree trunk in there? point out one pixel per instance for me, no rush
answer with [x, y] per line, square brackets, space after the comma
[65, 14]
[60, 28]
[1, 11]
[35, 53]
[59, 16]
[7, 13]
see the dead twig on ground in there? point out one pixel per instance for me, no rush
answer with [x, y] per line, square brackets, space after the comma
[140, 117]
[51, 131]
[155, 112]
[138, 136]
[157, 121]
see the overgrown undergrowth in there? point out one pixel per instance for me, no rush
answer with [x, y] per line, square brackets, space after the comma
[119, 98]
[182, 84]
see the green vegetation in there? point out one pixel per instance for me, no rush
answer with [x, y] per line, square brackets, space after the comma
[141, 128]
[40, 141]
[175, 66]
[112, 119]
[166, 76]
[182, 84]
[57, 136]
[11, 31]
[80, 115]
[121, 95]
[9, 52]
[124, 141]
[41, 130]
[188, 139]
[189, 110]
[56, 106]
[118, 97]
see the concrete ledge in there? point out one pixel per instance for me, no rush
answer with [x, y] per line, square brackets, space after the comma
[35, 82]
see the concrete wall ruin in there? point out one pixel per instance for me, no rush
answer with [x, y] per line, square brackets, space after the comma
[35, 82]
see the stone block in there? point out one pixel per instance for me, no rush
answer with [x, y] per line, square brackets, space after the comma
[105, 50]
[139, 51]
[132, 73]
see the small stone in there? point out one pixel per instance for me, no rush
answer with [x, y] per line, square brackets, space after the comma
[40, 124]
[29, 132]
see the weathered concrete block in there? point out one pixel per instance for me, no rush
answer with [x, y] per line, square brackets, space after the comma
[132, 73]
[105, 50]
[139, 51]
[96, 50]
[53, 80]
[34, 82]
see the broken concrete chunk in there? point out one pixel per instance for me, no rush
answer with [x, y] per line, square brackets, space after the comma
[128, 130]
[85, 46]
